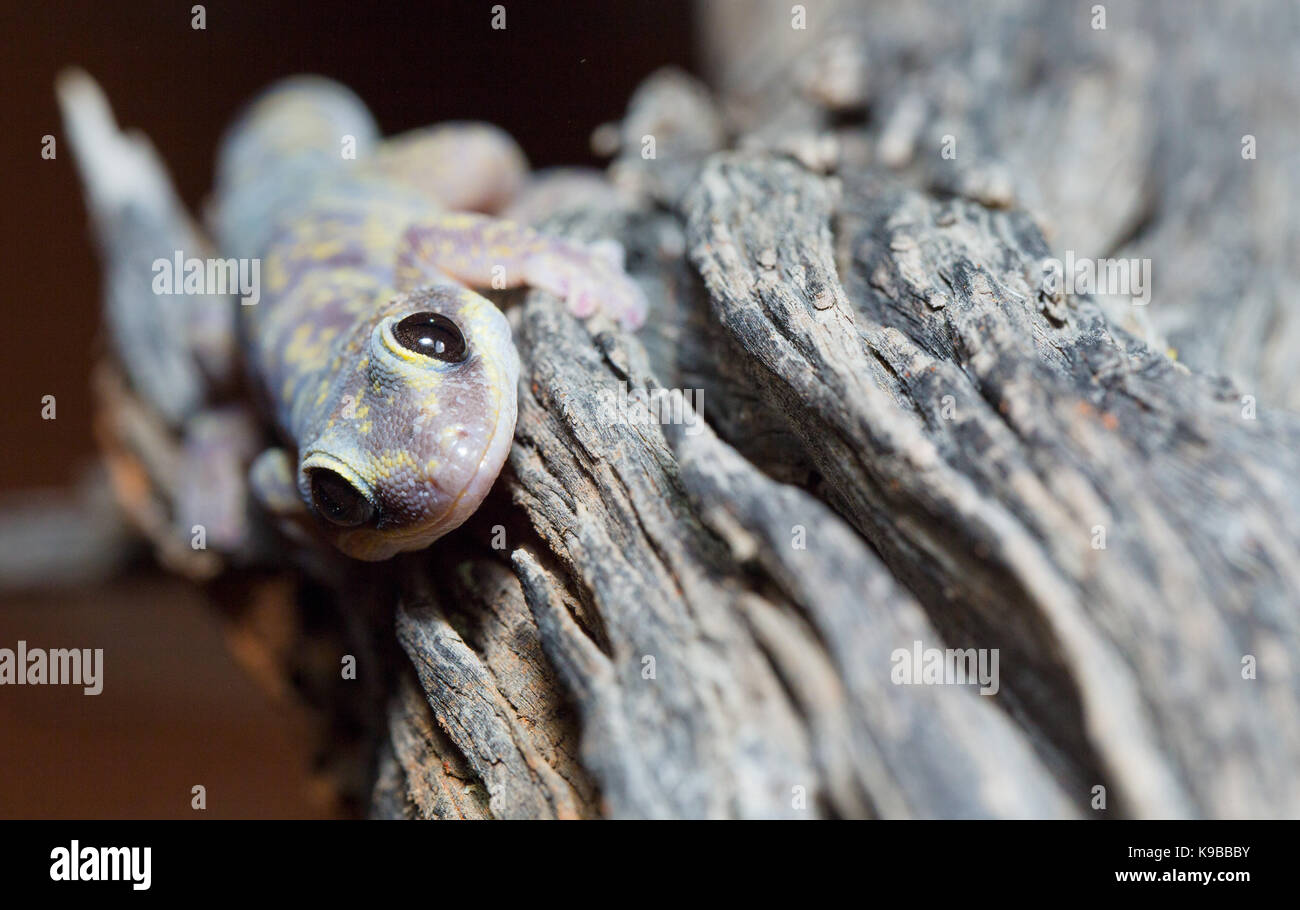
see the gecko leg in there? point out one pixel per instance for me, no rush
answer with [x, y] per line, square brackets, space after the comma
[470, 167]
[272, 478]
[484, 252]
[176, 354]
[212, 493]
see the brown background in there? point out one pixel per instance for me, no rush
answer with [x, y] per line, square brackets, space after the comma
[176, 710]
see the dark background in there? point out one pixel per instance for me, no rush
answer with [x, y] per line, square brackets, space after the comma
[176, 710]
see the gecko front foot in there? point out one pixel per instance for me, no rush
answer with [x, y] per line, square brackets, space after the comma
[589, 278]
[486, 252]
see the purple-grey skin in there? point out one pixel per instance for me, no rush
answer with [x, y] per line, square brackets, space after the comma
[392, 383]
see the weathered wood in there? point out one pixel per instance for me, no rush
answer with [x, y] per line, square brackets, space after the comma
[715, 676]
[990, 512]
[501, 716]
[844, 312]
[1122, 141]
[421, 773]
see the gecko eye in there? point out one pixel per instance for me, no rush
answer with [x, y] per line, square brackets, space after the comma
[432, 335]
[338, 501]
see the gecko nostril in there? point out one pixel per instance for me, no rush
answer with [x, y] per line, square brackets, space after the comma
[432, 335]
[337, 501]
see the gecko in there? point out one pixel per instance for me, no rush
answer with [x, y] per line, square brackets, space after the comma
[391, 382]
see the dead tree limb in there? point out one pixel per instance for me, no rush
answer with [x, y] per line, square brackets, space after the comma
[998, 466]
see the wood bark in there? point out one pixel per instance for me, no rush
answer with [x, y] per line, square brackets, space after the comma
[975, 460]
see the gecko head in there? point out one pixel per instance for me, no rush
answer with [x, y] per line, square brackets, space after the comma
[415, 437]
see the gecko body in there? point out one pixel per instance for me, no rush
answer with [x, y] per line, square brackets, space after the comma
[392, 382]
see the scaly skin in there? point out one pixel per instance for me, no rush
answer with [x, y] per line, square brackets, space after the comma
[348, 250]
